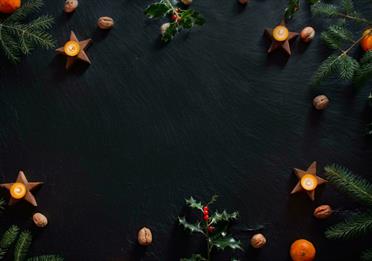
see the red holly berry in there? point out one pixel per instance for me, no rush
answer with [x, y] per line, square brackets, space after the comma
[174, 17]
[211, 229]
[205, 208]
[206, 217]
[205, 212]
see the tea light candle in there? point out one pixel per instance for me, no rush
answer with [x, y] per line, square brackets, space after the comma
[18, 190]
[309, 182]
[72, 48]
[280, 33]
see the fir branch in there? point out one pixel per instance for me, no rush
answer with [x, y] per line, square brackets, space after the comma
[2, 204]
[367, 255]
[352, 227]
[7, 240]
[336, 35]
[326, 69]
[194, 257]
[46, 258]
[355, 186]
[27, 8]
[22, 246]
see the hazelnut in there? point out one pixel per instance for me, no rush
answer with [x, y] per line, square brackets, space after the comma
[164, 27]
[186, 2]
[144, 236]
[323, 212]
[70, 5]
[40, 220]
[307, 34]
[321, 102]
[258, 241]
[243, 2]
[105, 23]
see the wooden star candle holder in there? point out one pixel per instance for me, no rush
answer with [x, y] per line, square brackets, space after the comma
[280, 37]
[308, 181]
[75, 50]
[21, 190]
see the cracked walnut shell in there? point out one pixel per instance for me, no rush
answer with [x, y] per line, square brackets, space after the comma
[144, 236]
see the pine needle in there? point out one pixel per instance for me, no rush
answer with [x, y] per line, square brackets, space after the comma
[7, 240]
[351, 228]
[354, 186]
[46, 258]
[367, 255]
[327, 68]
[22, 246]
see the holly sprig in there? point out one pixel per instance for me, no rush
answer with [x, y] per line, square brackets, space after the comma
[293, 6]
[213, 226]
[180, 18]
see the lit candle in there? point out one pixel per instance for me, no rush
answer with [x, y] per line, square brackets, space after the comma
[309, 182]
[72, 48]
[18, 190]
[280, 33]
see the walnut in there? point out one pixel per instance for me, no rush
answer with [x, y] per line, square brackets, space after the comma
[243, 2]
[105, 22]
[164, 28]
[40, 220]
[186, 2]
[323, 212]
[70, 5]
[307, 34]
[321, 102]
[258, 241]
[144, 236]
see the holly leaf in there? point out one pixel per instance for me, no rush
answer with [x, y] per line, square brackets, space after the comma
[157, 10]
[194, 257]
[225, 241]
[192, 203]
[190, 18]
[293, 6]
[223, 217]
[170, 32]
[191, 227]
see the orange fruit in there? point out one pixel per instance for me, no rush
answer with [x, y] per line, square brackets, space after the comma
[366, 42]
[9, 6]
[302, 250]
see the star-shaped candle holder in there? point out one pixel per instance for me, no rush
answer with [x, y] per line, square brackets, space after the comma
[75, 50]
[280, 37]
[21, 190]
[308, 181]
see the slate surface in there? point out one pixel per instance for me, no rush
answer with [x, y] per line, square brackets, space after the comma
[122, 142]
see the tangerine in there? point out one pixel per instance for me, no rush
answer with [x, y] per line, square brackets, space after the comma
[302, 250]
[366, 42]
[9, 6]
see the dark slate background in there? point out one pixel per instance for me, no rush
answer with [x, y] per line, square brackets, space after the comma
[122, 142]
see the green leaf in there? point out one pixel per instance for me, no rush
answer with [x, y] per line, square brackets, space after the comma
[196, 257]
[46, 258]
[157, 10]
[170, 32]
[225, 241]
[217, 217]
[7, 240]
[347, 6]
[190, 227]
[293, 7]
[351, 227]
[367, 255]
[22, 246]
[360, 189]
[192, 203]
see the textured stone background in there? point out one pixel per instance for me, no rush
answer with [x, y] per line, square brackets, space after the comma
[122, 142]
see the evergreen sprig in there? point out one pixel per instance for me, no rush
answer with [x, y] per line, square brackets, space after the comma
[46, 258]
[181, 18]
[213, 227]
[7, 240]
[359, 189]
[22, 246]
[18, 37]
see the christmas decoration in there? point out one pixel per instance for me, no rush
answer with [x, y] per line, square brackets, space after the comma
[40, 220]
[19, 38]
[323, 212]
[181, 18]
[258, 241]
[302, 250]
[307, 34]
[360, 190]
[144, 236]
[21, 190]
[105, 23]
[213, 227]
[280, 37]
[308, 181]
[70, 6]
[9, 6]
[343, 41]
[321, 102]
[75, 50]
